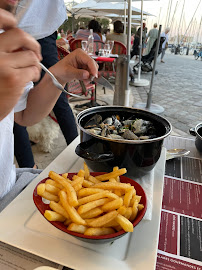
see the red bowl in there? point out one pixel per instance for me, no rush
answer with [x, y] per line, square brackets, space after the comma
[42, 207]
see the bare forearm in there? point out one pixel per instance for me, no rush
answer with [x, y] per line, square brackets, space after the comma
[40, 102]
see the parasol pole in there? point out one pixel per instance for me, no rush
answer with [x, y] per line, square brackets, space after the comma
[127, 91]
[154, 108]
[140, 82]
[124, 16]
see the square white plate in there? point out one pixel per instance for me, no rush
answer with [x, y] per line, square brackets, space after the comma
[18, 223]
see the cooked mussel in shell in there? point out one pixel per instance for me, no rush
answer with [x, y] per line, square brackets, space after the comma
[115, 128]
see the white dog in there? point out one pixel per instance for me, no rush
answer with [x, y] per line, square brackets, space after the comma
[44, 133]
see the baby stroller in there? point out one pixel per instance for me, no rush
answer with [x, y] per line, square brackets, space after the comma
[146, 60]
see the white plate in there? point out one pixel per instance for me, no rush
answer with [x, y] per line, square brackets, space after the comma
[14, 228]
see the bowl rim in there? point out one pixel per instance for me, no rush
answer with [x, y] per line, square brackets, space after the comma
[168, 132]
[41, 206]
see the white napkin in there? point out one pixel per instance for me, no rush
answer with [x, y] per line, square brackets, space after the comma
[147, 183]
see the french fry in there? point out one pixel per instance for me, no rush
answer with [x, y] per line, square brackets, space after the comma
[134, 211]
[135, 198]
[72, 197]
[93, 179]
[88, 191]
[52, 189]
[92, 213]
[77, 180]
[93, 197]
[128, 196]
[65, 175]
[67, 222]
[75, 217]
[81, 173]
[124, 223]
[53, 183]
[86, 170]
[114, 170]
[78, 187]
[87, 183]
[140, 207]
[59, 209]
[77, 228]
[88, 206]
[112, 223]
[50, 197]
[106, 176]
[112, 180]
[101, 221]
[113, 205]
[122, 210]
[98, 231]
[128, 212]
[40, 189]
[53, 216]
[110, 185]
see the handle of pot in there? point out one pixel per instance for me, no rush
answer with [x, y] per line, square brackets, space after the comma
[192, 131]
[83, 151]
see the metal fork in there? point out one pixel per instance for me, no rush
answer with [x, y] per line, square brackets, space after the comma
[57, 84]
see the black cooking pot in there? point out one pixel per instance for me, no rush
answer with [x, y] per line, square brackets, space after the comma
[137, 156]
[197, 131]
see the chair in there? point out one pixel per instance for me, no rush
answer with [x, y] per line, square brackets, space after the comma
[75, 86]
[119, 48]
[98, 44]
[75, 44]
[109, 69]
[71, 40]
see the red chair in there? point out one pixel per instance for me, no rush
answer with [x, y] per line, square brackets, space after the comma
[71, 40]
[119, 48]
[75, 86]
[75, 44]
[109, 69]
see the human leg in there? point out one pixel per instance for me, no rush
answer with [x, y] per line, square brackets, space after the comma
[22, 147]
[162, 55]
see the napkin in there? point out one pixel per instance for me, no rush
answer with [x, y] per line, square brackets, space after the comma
[147, 183]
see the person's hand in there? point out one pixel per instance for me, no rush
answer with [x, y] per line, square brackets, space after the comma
[77, 65]
[19, 62]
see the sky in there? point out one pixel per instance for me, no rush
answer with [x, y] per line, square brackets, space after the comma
[188, 24]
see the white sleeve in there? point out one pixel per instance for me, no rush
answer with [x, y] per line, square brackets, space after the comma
[22, 103]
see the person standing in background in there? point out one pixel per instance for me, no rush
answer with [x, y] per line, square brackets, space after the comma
[34, 22]
[152, 36]
[165, 43]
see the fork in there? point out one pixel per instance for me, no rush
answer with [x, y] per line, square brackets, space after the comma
[57, 84]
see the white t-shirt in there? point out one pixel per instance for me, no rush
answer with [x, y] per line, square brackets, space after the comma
[7, 167]
[42, 18]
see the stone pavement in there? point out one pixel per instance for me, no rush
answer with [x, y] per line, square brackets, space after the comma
[177, 88]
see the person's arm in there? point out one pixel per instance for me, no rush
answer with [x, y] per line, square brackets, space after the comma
[16, 67]
[42, 98]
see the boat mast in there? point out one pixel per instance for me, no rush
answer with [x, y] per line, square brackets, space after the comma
[178, 38]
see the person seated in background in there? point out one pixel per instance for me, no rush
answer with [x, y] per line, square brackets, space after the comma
[105, 33]
[118, 34]
[18, 68]
[84, 33]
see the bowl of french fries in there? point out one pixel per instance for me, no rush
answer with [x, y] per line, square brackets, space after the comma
[95, 207]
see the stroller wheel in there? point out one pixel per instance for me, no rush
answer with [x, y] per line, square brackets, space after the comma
[156, 72]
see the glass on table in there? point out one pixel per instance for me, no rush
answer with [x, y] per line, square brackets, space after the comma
[84, 45]
[101, 52]
[111, 45]
[106, 50]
